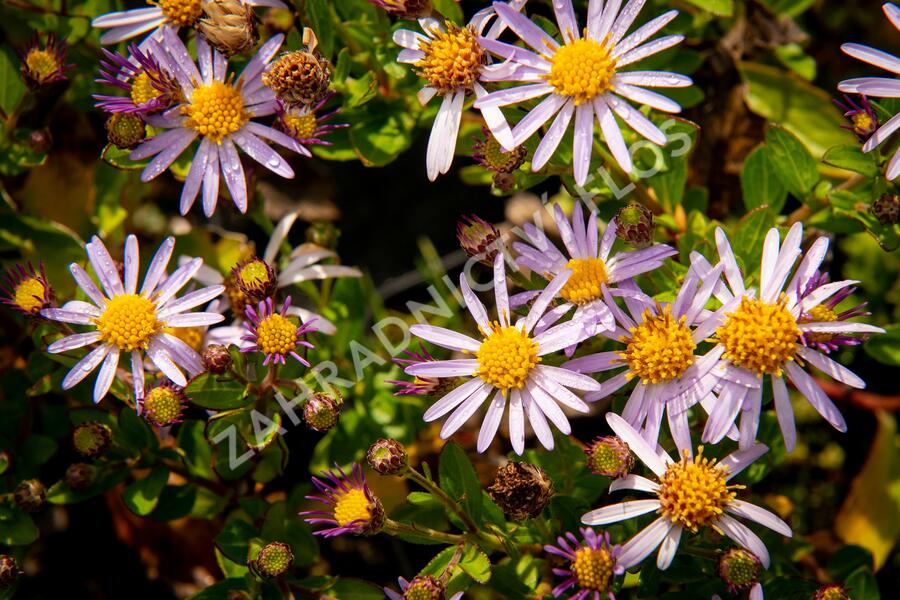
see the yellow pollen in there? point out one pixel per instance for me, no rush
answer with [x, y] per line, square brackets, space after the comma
[162, 405]
[506, 357]
[192, 336]
[352, 506]
[215, 110]
[694, 493]
[659, 349]
[453, 58]
[181, 12]
[29, 295]
[128, 322]
[41, 64]
[302, 127]
[820, 314]
[862, 121]
[759, 336]
[142, 89]
[254, 273]
[588, 274]
[276, 335]
[593, 568]
[582, 70]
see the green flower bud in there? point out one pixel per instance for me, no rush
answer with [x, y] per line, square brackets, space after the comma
[216, 359]
[274, 559]
[91, 439]
[739, 569]
[125, 130]
[609, 456]
[387, 457]
[634, 225]
[79, 476]
[321, 412]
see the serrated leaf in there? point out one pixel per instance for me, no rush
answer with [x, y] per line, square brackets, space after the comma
[475, 564]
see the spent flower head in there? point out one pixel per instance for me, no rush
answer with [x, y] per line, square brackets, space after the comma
[229, 26]
[300, 77]
[521, 490]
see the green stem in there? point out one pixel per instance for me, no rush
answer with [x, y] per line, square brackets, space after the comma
[441, 495]
[392, 527]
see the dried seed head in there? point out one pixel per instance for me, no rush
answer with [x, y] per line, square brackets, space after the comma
[521, 490]
[229, 26]
[887, 209]
[301, 77]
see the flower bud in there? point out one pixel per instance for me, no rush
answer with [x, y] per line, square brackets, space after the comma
[91, 439]
[216, 359]
[79, 476]
[479, 239]
[301, 77]
[634, 225]
[274, 559]
[521, 490]
[9, 571]
[387, 457]
[229, 26]
[488, 152]
[404, 9]
[40, 140]
[255, 278]
[609, 456]
[163, 405]
[831, 591]
[125, 130]
[424, 587]
[739, 569]
[321, 411]
[887, 209]
[30, 495]
[5, 461]
[324, 234]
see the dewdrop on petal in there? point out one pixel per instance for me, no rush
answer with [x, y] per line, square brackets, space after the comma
[92, 439]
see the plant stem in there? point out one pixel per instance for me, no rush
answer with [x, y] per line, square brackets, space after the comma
[392, 527]
[443, 497]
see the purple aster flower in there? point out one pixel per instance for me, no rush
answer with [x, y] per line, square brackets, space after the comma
[590, 261]
[44, 64]
[864, 121]
[878, 87]
[711, 502]
[27, 290]
[351, 507]
[763, 334]
[826, 312]
[505, 368]
[582, 78]
[420, 386]
[162, 15]
[126, 321]
[218, 110]
[305, 125]
[274, 334]
[150, 88]
[593, 562]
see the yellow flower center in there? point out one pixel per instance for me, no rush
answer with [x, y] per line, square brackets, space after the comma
[582, 70]
[506, 357]
[453, 58]
[128, 322]
[215, 110]
[192, 336]
[236, 297]
[820, 314]
[588, 274]
[162, 405]
[593, 568]
[302, 127]
[350, 506]
[759, 336]
[29, 295]
[693, 493]
[181, 12]
[41, 64]
[660, 349]
[142, 89]
[276, 335]
[254, 273]
[862, 121]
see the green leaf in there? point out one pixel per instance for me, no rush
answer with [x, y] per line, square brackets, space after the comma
[459, 480]
[793, 164]
[475, 564]
[221, 589]
[234, 540]
[862, 585]
[217, 392]
[347, 588]
[381, 133]
[760, 183]
[885, 348]
[362, 90]
[142, 495]
[136, 433]
[11, 86]
[853, 159]
[750, 233]
[118, 158]
[794, 58]
[16, 527]
[721, 8]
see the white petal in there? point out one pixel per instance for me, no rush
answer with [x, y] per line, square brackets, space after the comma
[741, 534]
[644, 543]
[760, 515]
[637, 444]
[445, 338]
[619, 512]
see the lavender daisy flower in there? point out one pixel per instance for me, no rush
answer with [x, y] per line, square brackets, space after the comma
[421, 386]
[44, 64]
[690, 493]
[132, 322]
[27, 290]
[452, 60]
[423, 586]
[150, 88]
[864, 121]
[661, 354]
[588, 260]
[506, 367]
[583, 77]
[162, 14]
[593, 562]
[878, 87]
[765, 335]
[217, 110]
[351, 507]
[305, 125]
[273, 334]
[826, 312]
